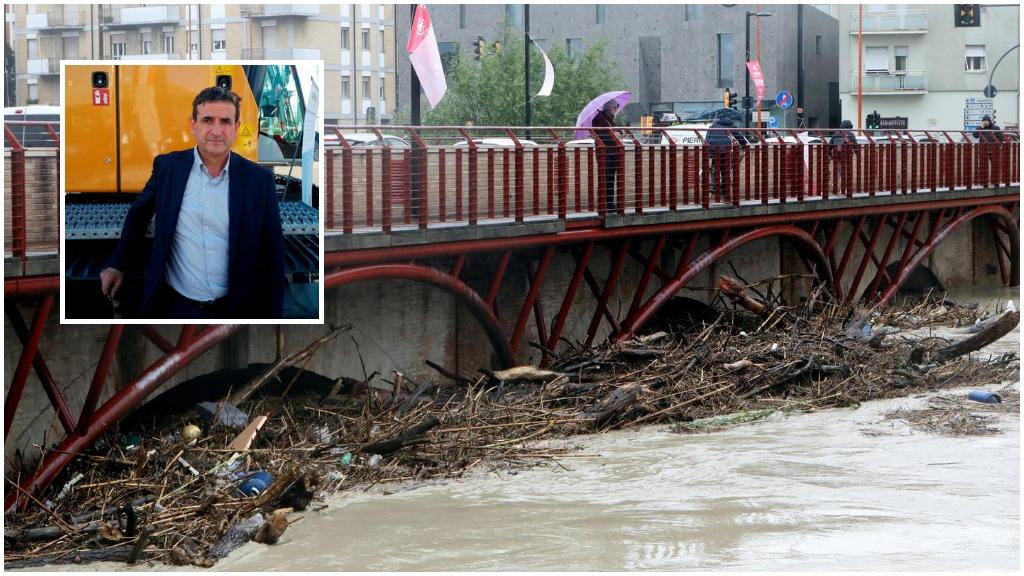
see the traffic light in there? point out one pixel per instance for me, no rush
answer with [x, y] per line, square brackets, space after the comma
[967, 15]
[497, 47]
[874, 121]
[729, 99]
[748, 102]
[480, 48]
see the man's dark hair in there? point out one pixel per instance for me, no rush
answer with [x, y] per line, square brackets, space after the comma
[216, 94]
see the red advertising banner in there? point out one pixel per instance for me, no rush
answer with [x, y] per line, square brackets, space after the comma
[757, 77]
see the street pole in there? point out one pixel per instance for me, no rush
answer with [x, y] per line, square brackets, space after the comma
[860, 65]
[800, 65]
[414, 80]
[757, 50]
[746, 72]
[526, 45]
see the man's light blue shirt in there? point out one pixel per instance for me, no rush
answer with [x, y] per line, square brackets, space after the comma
[198, 266]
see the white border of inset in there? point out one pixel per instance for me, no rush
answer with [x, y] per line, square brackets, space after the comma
[320, 175]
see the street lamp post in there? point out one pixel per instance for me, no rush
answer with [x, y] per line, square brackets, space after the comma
[746, 92]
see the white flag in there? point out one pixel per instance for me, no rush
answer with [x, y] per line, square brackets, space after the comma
[425, 57]
[549, 72]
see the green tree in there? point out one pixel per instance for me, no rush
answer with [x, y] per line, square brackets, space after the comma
[490, 92]
[10, 87]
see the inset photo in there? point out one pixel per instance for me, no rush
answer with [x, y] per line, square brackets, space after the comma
[191, 192]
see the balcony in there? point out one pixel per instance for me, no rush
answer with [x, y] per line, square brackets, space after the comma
[56, 20]
[892, 82]
[142, 15]
[279, 10]
[148, 57]
[281, 54]
[44, 66]
[892, 22]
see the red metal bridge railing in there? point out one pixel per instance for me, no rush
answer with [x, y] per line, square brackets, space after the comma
[31, 187]
[384, 178]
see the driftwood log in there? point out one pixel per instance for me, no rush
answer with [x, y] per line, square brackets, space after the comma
[991, 331]
[406, 437]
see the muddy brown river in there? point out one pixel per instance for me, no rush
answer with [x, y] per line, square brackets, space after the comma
[842, 489]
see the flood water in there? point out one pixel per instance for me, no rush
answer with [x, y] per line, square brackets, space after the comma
[840, 489]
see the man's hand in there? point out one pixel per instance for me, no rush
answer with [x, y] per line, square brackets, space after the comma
[110, 282]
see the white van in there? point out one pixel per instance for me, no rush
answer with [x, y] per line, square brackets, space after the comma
[33, 136]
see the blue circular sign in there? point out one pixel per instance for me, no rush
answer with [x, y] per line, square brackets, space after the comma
[784, 99]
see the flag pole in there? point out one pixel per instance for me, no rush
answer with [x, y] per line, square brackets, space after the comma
[414, 80]
[526, 44]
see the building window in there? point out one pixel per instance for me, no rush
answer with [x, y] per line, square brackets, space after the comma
[345, 41]
[168, 44]
[219, 43]
[974, 58]
[366, 39]
[449, 54]
[147, 42]
[33, 93]
[876, 59]
[901, 58]
[601, 12]
[33, 49]
[380, 89]
[346, 87]
[514, 15]
[194, 46]
[118, 49]
[817, 44]
[693, 12]
[725, 61]
[366, 88]
[574, 48]
[462, 16]
[380, 41]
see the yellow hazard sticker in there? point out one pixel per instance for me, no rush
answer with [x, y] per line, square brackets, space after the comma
[222, 70]
[245, 138]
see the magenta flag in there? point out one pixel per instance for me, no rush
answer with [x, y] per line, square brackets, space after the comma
[757, 77]
[425, 57]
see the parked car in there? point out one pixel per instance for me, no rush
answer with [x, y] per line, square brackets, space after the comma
[496, 143]
[365, 140]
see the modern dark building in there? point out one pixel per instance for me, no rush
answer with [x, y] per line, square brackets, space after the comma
[677, 58]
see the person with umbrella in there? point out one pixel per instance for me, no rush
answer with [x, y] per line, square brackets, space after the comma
[600, 113]
[605, 118]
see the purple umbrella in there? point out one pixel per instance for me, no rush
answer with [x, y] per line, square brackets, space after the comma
[586, 117]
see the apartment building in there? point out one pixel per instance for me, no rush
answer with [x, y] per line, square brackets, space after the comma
[920, 66]
[355, 41]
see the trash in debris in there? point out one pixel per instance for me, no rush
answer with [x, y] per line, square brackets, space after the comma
[244, 439]
[984, 396]
[190, 433]
[256, 483]
[227, 415]
[272, 529]
[346, 459]
[130, 442]
[374, 460]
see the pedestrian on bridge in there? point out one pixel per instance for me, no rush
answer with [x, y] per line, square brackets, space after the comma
[725, 156]
[218, 246]
[605, 118]
[842, 149]
[988, 135]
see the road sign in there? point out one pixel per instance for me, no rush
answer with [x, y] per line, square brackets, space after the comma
[773, 122]
[990, 91]
[784, 99]
[975, 109]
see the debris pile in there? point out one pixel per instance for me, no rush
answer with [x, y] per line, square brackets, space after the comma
[187, 488]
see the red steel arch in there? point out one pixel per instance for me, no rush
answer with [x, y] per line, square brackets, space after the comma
[996, 211]
[447, 282]
[803, 241]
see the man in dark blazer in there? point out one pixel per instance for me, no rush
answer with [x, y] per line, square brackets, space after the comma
[217, 242]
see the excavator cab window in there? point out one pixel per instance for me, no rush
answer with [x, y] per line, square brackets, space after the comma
[282, 110]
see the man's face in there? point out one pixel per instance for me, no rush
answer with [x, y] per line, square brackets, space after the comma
[214, 128]
[986, 123]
